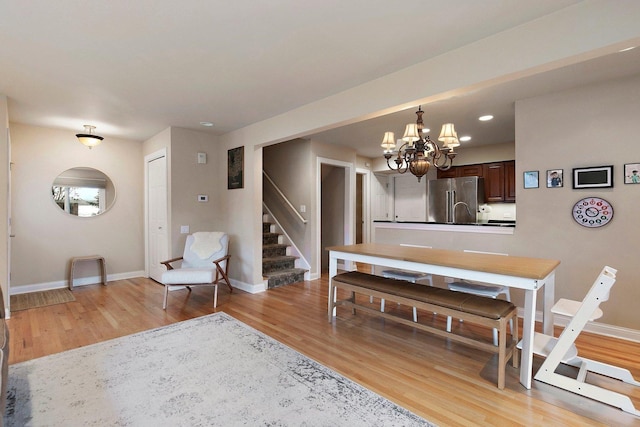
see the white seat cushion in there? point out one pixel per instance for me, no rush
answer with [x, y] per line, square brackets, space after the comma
[410, 276]
[477, 289]
[188, 276]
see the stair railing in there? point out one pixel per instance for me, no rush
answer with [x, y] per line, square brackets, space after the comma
[287, 202]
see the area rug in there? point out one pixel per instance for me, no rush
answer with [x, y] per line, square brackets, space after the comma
[209, 371]
[40, 299]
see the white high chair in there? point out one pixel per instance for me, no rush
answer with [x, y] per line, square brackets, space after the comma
[563, 350]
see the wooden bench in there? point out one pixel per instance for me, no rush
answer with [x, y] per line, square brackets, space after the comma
[489, 312]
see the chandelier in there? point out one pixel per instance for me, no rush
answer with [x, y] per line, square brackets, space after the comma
[417, 152]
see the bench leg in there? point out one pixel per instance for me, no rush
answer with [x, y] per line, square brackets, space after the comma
[502, 354]
[353, 300]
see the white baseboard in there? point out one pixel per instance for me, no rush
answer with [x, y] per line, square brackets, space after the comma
[247, 287]
[592, 327]
[80, 281]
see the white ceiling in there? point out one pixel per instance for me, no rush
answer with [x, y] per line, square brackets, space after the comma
[135, 68]
[499, 100]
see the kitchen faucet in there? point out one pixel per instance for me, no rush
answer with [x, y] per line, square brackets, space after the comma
[454, 210]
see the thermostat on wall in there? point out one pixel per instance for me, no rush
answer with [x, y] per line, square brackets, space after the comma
[203, 198]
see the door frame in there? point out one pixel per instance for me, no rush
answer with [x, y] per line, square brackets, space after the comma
[349, 204]
[366, 205]
[148, 159]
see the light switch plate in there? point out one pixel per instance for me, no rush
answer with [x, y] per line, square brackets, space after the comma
[184, 229]
[202, 158]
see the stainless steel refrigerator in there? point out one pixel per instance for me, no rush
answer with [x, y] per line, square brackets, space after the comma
[455, 200]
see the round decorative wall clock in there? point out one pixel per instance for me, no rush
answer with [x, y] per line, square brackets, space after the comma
[592, 212]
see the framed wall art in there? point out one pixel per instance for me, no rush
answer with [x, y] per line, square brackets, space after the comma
[632, 173]
[554, 178]
[531, 179]
[593, 177]
[235, 168]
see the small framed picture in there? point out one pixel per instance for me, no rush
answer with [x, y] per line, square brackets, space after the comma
[531, 179]
[593, 177]
[554, 178]
[632, 173]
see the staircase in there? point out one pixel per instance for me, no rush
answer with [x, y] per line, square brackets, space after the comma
[278, 266]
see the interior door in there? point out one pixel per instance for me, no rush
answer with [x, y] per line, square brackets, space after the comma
[158, 243]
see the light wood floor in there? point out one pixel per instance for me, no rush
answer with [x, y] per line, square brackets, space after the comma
[446, 383]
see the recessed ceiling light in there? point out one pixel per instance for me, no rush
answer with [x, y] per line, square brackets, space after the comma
[485, 118]
[465, 138]
[626, 49]
[207, 124]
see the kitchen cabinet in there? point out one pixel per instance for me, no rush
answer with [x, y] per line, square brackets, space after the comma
[470, 170]
[461, 171]
[499, 179]
[494, 182]
[510, 181]
[449, 173]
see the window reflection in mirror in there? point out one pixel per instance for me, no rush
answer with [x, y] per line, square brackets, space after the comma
[83, 192]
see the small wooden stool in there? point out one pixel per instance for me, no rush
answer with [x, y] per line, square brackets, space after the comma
[98, 258]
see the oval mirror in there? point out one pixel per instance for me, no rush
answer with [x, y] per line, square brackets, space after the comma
[83, 192]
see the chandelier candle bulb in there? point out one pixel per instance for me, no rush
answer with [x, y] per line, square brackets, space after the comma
[388, 142]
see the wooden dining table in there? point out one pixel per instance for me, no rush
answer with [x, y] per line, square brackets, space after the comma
[529, 274]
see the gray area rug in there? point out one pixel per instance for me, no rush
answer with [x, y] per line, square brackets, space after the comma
[209, 371]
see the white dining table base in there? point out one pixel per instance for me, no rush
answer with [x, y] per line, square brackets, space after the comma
[531, 288]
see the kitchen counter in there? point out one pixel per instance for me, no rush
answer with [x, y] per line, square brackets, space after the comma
[491, 223]
[499, 227]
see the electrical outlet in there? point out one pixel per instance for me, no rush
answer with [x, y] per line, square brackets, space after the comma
[184, 229]
[303, 208]
[203, 198]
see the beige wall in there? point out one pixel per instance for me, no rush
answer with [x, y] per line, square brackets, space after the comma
[590, 126]
[190, 179]
[45, 237]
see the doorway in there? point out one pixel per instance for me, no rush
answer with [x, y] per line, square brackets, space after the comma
[336, 207]
[157, 242]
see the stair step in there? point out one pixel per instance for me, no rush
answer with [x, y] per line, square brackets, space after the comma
[284, 277]
[270, 238]
[273, 250]
[277, 263]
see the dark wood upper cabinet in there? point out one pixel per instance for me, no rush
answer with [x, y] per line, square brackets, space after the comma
[470, 170]
[499, 179]
[449, 173]
[510, 181]
[494, 182]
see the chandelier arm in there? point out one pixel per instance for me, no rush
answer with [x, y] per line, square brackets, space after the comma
[398, 168]
[443, 161]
